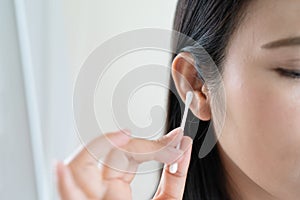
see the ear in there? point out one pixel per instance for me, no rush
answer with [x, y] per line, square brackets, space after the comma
[185, 78]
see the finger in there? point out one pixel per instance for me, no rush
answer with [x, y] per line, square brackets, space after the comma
[84, 165]
[172, 185]
[99, 147]
[122, 163]
[67, 187]
[162, 150]
[172, 138]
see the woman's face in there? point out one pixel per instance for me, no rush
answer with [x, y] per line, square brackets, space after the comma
[262, 127]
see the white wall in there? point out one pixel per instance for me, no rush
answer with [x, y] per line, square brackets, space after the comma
[91, 23]
[61, 36]
[17, 177]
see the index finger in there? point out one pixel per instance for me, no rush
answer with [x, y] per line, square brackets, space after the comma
[99, 147]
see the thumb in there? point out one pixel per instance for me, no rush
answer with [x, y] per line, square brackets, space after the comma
[171, 186]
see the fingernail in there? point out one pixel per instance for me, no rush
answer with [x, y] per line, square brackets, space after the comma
[181, 129]
[175, 132]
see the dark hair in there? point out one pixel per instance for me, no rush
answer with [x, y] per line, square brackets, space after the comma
[210, 23]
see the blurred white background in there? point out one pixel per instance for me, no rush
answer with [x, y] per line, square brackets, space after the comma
[43, 45]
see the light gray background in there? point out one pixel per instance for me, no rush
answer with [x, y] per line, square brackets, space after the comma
[37, 127]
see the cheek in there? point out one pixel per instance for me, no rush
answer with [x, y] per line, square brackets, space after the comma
[261, 132]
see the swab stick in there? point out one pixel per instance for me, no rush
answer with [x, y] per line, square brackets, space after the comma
[188, 100]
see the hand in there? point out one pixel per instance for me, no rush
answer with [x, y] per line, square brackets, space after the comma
[82, 179]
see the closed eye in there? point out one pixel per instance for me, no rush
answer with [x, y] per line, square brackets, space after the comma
[288, 73]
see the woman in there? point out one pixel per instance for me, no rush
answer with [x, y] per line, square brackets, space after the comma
[256, 46]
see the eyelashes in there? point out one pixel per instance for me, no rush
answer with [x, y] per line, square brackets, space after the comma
[288, 73]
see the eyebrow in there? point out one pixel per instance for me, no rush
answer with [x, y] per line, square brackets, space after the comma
[293, 41]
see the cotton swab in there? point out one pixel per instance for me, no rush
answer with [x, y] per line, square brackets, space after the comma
[188, 100]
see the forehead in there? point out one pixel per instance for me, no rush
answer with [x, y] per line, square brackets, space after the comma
[266, 21]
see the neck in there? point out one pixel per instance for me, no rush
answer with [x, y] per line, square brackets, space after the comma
[240, 186]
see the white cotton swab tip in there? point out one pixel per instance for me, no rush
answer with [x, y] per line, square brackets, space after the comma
[188, 100]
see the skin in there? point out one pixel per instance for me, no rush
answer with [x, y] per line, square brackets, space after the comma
[80, 178]
[260, 141]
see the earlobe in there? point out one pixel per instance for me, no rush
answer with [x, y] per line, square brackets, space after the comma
[185, 78]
